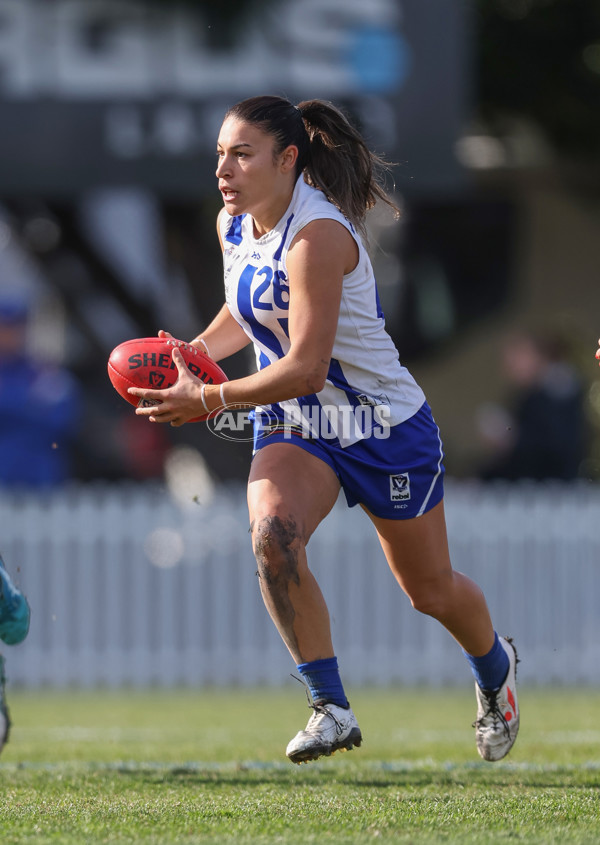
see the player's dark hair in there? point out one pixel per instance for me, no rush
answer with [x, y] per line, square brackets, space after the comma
[331, 152]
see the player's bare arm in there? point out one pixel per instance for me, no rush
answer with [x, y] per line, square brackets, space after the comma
[222, 337]
[320, 255]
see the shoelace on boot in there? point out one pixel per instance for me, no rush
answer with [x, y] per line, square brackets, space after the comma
[494, 711]
[322, 709]
[319, 706]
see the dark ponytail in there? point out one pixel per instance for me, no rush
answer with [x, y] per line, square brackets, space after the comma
[331, 152]
[341, 164]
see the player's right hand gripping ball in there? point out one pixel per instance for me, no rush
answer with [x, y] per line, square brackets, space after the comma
[148, 362]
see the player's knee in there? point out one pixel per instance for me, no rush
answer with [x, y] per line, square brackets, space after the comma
[431, 601]
[275, 542]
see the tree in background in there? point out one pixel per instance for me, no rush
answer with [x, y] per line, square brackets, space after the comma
[540, 60]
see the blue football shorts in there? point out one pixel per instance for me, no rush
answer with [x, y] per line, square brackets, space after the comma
[399, 477]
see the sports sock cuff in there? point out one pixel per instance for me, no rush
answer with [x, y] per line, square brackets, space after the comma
[491, 669]
[324, 682]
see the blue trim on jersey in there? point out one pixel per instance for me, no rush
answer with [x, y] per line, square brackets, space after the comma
[244, 303]
[279, 250]
[277, 409]
[380, 313]
[234, 233]
[336, 376]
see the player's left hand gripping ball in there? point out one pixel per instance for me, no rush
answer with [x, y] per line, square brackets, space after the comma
[148, 362]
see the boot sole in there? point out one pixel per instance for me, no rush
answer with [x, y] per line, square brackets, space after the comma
[354, 739]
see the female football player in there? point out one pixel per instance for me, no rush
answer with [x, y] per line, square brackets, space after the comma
[334, 406]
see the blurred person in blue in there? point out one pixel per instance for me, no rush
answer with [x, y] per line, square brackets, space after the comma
[14, 626]
[40, 407]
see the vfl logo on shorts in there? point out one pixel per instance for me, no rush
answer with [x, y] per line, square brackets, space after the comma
[400, 487]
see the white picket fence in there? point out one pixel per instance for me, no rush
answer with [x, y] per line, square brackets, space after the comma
[129, 588]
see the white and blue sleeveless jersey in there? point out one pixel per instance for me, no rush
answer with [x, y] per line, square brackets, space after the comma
[364, 369]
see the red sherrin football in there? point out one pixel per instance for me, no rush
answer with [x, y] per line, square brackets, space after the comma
[148, 362]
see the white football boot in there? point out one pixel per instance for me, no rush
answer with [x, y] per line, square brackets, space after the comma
[4, 717]
[330, 728]
[497, 722]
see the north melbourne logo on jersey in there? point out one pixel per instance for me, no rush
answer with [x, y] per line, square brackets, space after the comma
[400, 487]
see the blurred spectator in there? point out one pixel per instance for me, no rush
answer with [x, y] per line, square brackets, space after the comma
[40, 407]
[541, 435]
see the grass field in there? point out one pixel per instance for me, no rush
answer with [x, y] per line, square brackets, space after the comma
[209, 767]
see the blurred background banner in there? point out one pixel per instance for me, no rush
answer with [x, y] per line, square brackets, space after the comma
[110, 92]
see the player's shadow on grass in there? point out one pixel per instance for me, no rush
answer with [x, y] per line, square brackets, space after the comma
[281, 775]
[444, 776]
